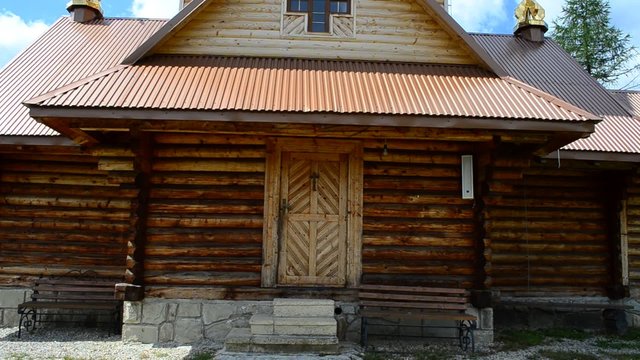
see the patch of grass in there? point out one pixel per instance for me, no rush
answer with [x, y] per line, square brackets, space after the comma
[615, 344]
[520, 339]
[633, 334]
[19, 356]
[436, 354]
[624, 356]
[560, 333]
[202, 356]
[565, 355]
[378, 356]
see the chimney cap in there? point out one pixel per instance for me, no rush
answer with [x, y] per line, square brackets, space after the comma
[89, 4]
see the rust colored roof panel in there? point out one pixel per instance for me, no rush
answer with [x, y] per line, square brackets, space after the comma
[67, 52]
[620, 134]
[211, 83]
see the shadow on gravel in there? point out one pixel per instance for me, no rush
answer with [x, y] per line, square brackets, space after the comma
[62, 334]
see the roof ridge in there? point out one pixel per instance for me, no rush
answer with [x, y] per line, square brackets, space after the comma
[72, 86]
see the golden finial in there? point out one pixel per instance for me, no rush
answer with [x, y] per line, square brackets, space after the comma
[528, 13]
[94, 4]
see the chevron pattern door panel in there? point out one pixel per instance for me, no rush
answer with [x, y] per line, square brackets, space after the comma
[313, 235]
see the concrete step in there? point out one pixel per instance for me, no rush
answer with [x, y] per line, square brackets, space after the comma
[312, 326]
[303, 308]
[241, 340]
[269, 325]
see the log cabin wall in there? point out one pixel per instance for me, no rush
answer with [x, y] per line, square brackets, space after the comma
[205, 218]
[62, 210]
[205, 223]
[551, 230]
[633, 234]
[417, 228]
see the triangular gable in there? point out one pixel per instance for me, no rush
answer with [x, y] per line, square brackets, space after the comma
[390, 30]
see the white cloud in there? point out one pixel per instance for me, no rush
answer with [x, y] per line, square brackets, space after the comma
[479, 16]
[155, 9]
[16, 34]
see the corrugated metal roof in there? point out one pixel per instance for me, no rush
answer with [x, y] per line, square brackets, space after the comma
[630, 99]
[618, 134]
[259, 84]
[549, 68]
[67, 52]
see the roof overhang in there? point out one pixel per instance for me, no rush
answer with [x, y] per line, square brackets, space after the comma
[594, 156]
[128, 118]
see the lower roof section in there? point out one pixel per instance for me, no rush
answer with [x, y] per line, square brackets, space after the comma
[615, 134]
[210, 83]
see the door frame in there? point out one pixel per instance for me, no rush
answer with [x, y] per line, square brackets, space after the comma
[270, 242]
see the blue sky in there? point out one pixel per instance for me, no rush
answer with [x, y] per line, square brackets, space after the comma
[22, 21]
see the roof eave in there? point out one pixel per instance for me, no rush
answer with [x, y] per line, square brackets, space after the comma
[127, 118]
[594, 156]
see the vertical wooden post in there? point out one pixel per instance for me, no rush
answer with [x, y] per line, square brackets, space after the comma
[624, 244]
[141, 144]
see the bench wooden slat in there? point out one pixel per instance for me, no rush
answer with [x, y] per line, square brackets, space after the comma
[53, 288]
[412, 298]
[97, 283]
[393, 304]
[422, 290]
[69, 305]
[73, 296]
[418, 315]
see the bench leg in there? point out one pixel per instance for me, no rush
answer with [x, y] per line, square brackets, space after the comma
[27, 320]
[465, 335]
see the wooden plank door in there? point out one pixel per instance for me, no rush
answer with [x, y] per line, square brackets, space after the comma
[313, 211]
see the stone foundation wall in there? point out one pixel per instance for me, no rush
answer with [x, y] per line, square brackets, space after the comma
[544, 317]
[188, 321]
[9, 301]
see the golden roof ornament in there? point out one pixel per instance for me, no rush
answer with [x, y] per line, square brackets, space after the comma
[529, 13]
[93, 4]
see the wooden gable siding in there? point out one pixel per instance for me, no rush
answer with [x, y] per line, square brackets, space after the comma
[550, 230]
[386, 30]
[62, 212]
[417, 228]
[633, 234]
[205, 211]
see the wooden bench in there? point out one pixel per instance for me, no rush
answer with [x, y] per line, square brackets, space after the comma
[418, 303]
[72, 297]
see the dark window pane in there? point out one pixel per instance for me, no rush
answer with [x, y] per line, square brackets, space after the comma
[339, 6]
[299, 5]
[319, 5]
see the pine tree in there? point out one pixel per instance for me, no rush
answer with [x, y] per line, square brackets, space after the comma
[584, 30]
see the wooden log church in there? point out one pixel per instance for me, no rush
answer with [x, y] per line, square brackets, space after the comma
[248, 150]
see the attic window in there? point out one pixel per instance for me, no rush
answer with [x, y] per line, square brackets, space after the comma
[318, 11]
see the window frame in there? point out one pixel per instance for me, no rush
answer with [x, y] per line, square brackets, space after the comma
[327, 15]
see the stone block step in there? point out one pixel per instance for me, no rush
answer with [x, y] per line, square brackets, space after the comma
[241, 340]
[305, 326]
[303, 308]
[268, 325]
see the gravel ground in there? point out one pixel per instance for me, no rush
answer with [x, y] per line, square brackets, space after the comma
[81, 344]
